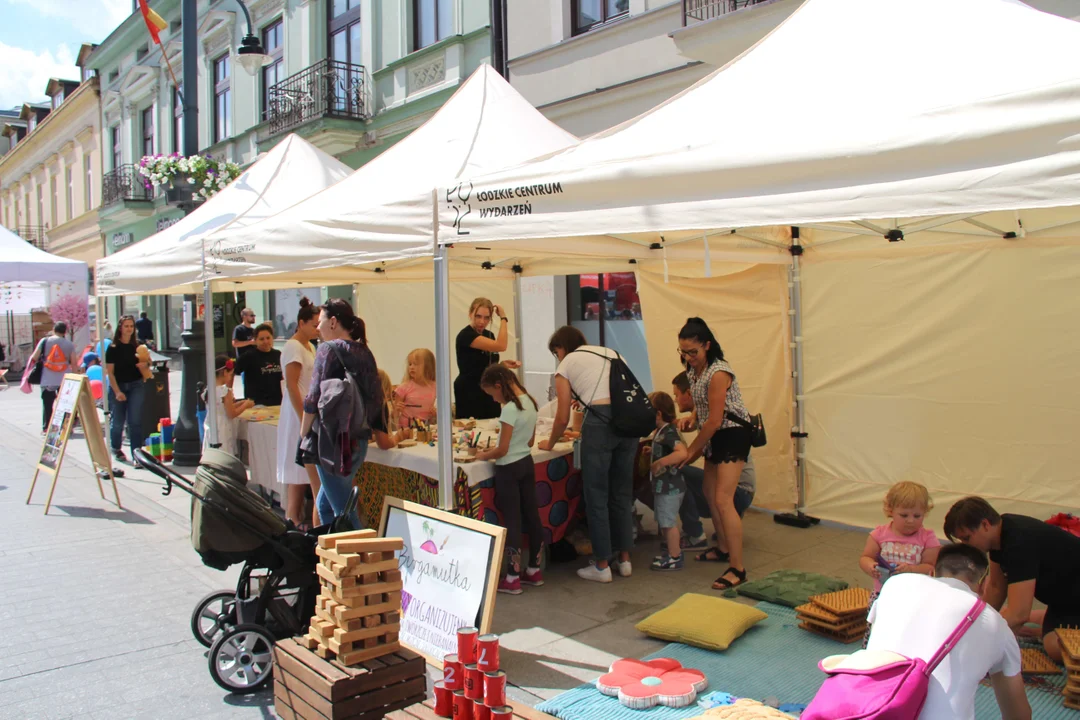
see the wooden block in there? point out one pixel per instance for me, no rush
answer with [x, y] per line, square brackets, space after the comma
[392, 576]
[323, 628]
[358, 656]
[364, 569]
[1035, 662]
[846, 639]
[373, 632]
[324, 616]
[851, 601]
[345, 559]
[343, 614]
[309, 642]
[344, 595]
[339, 581]
[364, 546]
[331, 540]
[841, 626]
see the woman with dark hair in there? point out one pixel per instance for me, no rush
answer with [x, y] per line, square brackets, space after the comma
[344, 338]
[125, 388]
[607, 460]
[261, 367]
[724, 442]
[297, 362]
[477, 349]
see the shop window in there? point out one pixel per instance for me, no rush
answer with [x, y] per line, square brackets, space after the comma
[607, 310]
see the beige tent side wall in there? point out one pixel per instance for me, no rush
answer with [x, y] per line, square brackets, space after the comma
[955, 368]
[401, 317]
[748, 311]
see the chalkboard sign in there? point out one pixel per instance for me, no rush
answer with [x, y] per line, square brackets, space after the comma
[449, 572]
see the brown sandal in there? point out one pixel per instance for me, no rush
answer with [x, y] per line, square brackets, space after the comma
[722, 583]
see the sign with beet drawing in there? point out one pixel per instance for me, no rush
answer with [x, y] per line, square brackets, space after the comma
[449, 572]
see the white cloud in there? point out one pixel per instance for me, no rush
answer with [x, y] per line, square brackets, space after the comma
[26, 73]
[96, 18]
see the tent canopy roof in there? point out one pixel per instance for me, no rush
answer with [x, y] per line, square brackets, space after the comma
[22, 262]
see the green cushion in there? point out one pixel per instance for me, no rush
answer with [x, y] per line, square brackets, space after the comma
[790, 587]
[703, 621]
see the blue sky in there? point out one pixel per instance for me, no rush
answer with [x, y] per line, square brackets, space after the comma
[40, 39]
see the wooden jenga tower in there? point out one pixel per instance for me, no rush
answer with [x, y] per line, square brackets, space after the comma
[358, 612]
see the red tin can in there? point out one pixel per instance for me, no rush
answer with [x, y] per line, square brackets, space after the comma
[474, 683]
[502, 713]
[487, 648]
[444, 700]
[452, 673]
[466, 645]
[495, 689]
[462, 706]
[481, 711]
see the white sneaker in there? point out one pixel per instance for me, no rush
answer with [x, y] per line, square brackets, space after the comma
[595, 574]
[624, 568]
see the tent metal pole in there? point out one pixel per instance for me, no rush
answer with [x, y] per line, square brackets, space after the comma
[519, 337]
[99, 304]
[798, 432]
[444, 417]
[211, 382]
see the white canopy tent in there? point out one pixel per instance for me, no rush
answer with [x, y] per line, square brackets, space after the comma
[22, 262]
[954, 126]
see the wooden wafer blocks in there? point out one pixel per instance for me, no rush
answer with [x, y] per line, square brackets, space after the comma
[1070, 654]
[839, 615]
[358, 611]
[1034, 661]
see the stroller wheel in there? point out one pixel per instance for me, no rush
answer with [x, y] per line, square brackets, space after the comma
[241, 660]
[214, 613]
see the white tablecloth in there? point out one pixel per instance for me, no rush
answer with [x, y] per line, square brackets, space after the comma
[261, 440]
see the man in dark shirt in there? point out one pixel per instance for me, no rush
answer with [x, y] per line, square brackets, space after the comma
[144, 329]
[1029, 560]
[243, 337]
[262, 369]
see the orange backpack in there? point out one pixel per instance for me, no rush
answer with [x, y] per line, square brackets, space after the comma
[55, 360]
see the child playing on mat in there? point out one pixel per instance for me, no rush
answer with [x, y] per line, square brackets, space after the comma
[228, 408]
[414, 398]
[669, 486]
[515, 475]
[904, 545]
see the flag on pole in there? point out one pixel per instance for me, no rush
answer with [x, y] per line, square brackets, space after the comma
[154, 22]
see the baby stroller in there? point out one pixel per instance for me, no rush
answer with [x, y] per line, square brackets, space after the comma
[275, 595]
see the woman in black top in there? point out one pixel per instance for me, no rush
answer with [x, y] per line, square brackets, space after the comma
[125, 388]
[478, 348]
[262, 369]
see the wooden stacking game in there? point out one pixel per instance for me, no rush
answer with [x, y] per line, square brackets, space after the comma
[358, 612]
[1070, 654]
[1033, 661]
[839, 615]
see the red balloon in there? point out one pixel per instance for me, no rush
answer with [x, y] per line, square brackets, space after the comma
[97, 389]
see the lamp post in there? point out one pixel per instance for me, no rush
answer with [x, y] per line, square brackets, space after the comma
[197, 345]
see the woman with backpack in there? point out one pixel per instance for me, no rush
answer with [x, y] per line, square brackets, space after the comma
[57, 353]
[339, 455]
[607, 460]
[723, 438]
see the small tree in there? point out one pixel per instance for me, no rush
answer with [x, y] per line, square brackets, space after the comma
[70, 309]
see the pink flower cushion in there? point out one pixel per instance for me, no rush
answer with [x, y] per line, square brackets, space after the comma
[642, 684]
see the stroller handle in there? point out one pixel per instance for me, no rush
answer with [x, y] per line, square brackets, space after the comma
[170, 476]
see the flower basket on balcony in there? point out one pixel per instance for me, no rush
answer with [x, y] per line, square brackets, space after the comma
[189, 179]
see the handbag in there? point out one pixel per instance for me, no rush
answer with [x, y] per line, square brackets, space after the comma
[34, 378]
[756, 425]
[870, 685]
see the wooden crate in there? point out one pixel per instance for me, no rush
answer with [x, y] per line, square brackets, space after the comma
[307, 687]
[426, 711]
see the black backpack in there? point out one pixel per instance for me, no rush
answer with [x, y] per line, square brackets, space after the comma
[631, 414]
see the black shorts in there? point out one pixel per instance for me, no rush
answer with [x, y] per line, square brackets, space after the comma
[1055, 618]
[728, 445]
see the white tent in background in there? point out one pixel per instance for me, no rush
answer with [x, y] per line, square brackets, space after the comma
[952, 125]
[383, 211]
[171, 261]
[22, 262]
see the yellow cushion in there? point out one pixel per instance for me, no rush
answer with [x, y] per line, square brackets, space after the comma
[702, 621]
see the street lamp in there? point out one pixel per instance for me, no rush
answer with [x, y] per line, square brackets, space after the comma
[251, 54]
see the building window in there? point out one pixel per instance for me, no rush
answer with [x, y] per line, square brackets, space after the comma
[40, 207]
[142, 52]
[274, 71]
[148, 131]
[433, 20]
[58, 98]
[178, 119]
[345, 39]
[33, 123]
[117, 154]
[222, 99]
[70, 204]
[54, 202]
[88, 193]
[588, 14]
[87, 73]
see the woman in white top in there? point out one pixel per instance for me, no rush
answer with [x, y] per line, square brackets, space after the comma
[297, 360]
[607, 460]
[723, 438]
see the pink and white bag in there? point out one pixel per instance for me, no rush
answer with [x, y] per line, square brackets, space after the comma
[875, 685]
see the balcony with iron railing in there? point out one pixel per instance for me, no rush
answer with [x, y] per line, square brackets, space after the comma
[36, 235]
[329, 88]
[124, 184]
[702, 10]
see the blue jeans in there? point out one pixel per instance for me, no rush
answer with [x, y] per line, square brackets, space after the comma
[695, 506]
[607, 476]
[334, 490]
[129, 411]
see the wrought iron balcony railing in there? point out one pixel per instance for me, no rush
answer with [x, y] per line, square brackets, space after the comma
[36, 235]
[329, 88]
[701, 10]
[124, 183]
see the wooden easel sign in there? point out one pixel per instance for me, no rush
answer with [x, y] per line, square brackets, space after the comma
[73, 402]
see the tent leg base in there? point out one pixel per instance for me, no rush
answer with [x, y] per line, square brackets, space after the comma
[795, 519]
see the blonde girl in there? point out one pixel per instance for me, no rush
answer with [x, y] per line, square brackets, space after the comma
[414, 398]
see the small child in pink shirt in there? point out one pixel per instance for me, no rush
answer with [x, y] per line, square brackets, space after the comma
[414, 398]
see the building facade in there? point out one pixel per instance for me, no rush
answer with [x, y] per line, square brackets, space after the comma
[350, 76]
